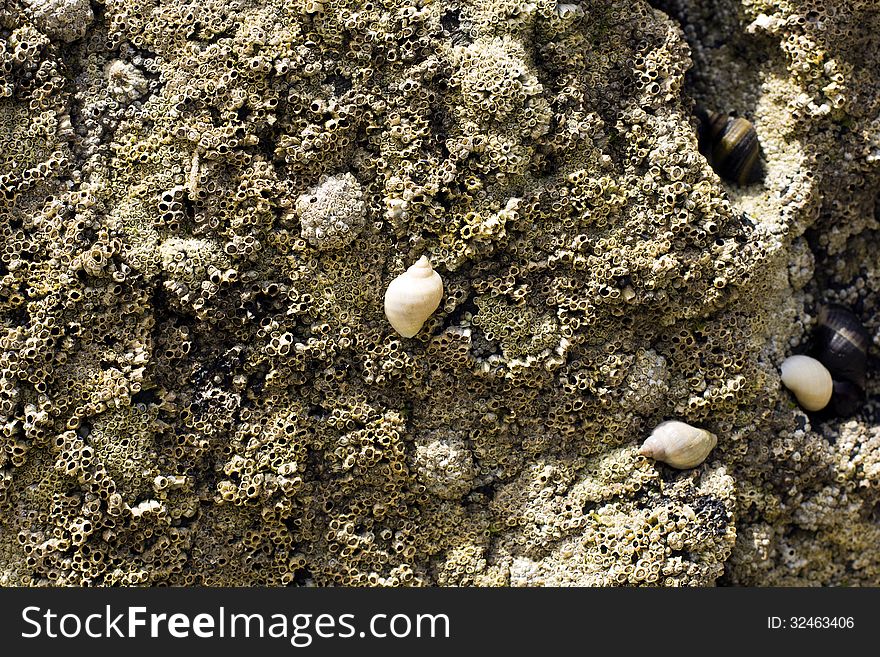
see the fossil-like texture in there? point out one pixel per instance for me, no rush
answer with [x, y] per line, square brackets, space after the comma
[65, 20]
[196, 389]
[333, 213]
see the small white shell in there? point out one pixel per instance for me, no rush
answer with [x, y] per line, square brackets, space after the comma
[678, 444]
[809, 380]
[412, 297]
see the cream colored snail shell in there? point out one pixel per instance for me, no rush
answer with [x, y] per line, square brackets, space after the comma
[809, 380]
[678, 444]
[412, 297]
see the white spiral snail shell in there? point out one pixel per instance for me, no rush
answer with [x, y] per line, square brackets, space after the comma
[678, 444]
[809, 380]
[412, 297]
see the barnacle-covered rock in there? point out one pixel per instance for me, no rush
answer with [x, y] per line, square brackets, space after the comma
[202, 208]
[66, 20]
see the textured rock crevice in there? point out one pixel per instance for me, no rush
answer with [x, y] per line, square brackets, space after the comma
[800, 71]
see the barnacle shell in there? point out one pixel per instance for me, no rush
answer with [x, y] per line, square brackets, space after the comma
[412, 297]
[678, 444]
[842, 344]
[731, 145]
[809, 380]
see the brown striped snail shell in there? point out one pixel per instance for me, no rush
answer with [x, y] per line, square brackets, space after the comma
[730, 143]
[841, 344]
[679, 444]
[412, 297]
[809, 380]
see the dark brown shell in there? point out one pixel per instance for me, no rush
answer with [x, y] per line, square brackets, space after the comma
[847, 398]
[731, 145]
[842, 344]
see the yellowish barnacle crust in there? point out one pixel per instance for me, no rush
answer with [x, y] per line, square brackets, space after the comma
[679, 444]
[65, 20]
[412, 297]
[809, 380]
[198, 387]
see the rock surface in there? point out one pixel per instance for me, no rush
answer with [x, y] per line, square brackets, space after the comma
[198, 386]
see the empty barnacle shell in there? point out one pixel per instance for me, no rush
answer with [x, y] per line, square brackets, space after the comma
[842, 344]
[731, 145]
[679, 444]
[809, 380]
[412, 297]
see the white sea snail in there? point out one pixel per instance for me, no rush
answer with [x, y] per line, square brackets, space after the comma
[412, 297]
[809, 380]
[678, 444]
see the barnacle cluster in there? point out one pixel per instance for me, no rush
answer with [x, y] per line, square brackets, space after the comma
[333, 213]
[64, 20]
[202, 207]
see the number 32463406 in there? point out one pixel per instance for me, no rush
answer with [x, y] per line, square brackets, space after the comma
[811, 622]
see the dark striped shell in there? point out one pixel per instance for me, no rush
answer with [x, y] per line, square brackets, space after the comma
[842, 345]
[731, 146]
